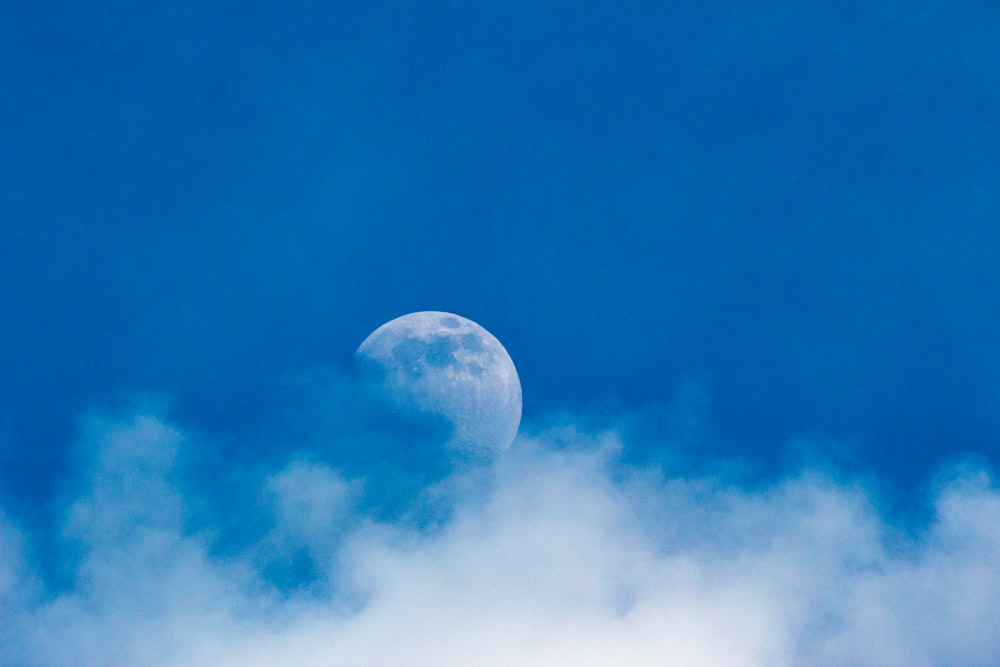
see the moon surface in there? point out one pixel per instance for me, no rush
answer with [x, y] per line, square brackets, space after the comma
[447, 366]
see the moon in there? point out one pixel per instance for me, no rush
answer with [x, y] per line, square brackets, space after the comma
[447, 366]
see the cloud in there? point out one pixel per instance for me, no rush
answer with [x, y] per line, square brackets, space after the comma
[558, 553]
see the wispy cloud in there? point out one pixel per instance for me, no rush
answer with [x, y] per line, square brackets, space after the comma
[556, 554]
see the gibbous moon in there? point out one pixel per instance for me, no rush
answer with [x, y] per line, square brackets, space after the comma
[449, 367]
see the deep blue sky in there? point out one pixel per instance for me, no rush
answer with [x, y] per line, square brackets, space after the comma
[788, 211]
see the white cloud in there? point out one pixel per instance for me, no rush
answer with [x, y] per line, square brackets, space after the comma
[557, 554]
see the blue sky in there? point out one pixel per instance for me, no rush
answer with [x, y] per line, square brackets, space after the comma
[753, 247]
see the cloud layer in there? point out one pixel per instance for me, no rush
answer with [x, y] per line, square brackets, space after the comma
[555, 554]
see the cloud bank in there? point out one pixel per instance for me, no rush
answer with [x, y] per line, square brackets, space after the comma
[557, 553]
